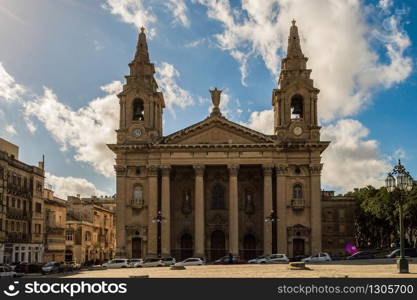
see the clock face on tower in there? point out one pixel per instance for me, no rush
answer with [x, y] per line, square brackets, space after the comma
[297, 130]
[136, 132]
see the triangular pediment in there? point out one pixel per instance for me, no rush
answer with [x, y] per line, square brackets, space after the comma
[217, 130]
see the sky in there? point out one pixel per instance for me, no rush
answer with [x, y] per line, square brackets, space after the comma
[62, 63]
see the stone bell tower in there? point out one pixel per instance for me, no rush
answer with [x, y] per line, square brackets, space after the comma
[141, 105]
[295, 100]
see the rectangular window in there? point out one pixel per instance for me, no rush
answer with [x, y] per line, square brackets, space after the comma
[38, 228]
[12, 226]
[38, 207]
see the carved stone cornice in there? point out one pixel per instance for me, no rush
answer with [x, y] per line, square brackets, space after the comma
[267, 169]
[120, 170]
[152, 170]
[166, 170]
[233, 169]
[281, 170]
[136, 229]
[316, 169]
[199, 169]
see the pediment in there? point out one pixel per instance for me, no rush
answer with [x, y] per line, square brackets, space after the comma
[217, 130]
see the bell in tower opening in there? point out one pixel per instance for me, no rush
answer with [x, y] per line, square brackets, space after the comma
[138, 110]
[297, 107]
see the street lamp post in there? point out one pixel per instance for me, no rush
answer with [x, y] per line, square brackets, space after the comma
[159, 219]
[399, 179]
[273, 219]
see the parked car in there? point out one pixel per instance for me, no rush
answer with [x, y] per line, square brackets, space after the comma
[116, 263]
[6, 272]
[362, 255]
[169, 261]
[27, 268]
[153, 262]
[297, 258]
[135, 262]
[410, 252]
[225, 260]
[73, 265]
[323, 256]
[269, 259]
[52, 267]
[192, 261]
[276, 258]
[259, 260]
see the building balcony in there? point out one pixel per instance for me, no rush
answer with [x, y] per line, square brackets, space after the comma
[54, 229]
[137, 204]
[17, 214]
[297, 204]
[17, 190]
[17, 237]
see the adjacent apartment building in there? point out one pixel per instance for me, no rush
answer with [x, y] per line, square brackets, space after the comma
[22, 208]
[338, 222]
[90, 230]
[55, 224]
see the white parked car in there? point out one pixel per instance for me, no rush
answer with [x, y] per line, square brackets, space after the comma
[6, 272]
[259, 260]
[323, 256]
[276, 258]
[269, 259]
[116, 263]
[169, 261]
[153, 262]
[135, 262]
[193, 261]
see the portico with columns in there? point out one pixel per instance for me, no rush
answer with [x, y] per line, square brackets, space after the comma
[207, 190]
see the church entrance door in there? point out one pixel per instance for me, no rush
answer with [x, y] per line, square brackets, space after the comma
[186, 246]
[298, 247]
[218, 245]
[136, 247]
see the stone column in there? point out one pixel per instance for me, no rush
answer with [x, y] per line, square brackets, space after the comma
[121, 202]
[282, 243]
[233, 210]
[315, 206]
[199, 250]
[267, 208]
[152, 210]
[166, 212]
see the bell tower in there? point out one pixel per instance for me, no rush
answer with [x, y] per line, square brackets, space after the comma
[295, 99]
[141, 105]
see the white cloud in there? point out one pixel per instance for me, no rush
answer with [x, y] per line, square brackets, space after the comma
[132, 12]
[140, 13]
[86, 130]
[71, 186]
[166, 76]
[400, 153]
[339, 37]
[352, 160]
[9, 89]
[262, 121]
[10, 130]
[195, 43]
[179, 10]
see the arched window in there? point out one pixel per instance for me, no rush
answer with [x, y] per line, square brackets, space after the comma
[217, 197]
[138, 110]
[138, 195]
[297, 191]
[297, 107]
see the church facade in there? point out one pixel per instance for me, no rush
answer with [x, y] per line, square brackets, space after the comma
[217, 187]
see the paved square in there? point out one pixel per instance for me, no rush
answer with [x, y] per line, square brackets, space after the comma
[375, 269]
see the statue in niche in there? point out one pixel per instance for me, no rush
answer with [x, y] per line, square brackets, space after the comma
[249, 203]
[186, 202]
[138, 196]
